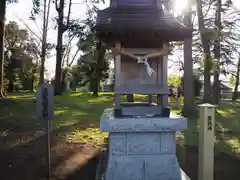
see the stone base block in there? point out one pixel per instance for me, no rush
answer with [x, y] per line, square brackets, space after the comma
[142, 148]
[143, 167]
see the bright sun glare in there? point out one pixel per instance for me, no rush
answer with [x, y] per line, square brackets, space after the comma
[179, 6]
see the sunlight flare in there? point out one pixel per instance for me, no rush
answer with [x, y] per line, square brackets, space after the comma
[180, 6]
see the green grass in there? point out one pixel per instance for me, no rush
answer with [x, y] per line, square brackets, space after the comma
[77, 117]
[228, 127]
[227, 130]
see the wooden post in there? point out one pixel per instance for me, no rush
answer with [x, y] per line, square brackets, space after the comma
[164, 70]
[150, 98]
[45, 111]
[117, 76]
[206, 141]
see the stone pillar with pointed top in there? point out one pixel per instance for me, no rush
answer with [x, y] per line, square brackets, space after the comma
[206, 141]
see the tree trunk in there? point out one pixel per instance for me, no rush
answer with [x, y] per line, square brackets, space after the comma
[10, 85]
[235, 93]
[61, 29]
[2, 25]
[216, 88]
[46, 12]
[33, 79]
[217, 54]
[189, 108]
[10, 77]
[206, 51]
[100, 58]
[43, 53]
[95, 87]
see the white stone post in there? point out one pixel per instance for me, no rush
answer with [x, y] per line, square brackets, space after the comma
[68, 85]
[206, 141]
[68, 78]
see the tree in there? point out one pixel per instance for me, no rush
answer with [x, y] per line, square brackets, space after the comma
[224, 45]
[2, 24]
[44, 38]
[217, 53]
[62, 28]
[76, 77]
[93, 64]
[92, 72]
[197, 85]
[69, 58]
[236, 84]
[215, 44]
[232, 81]
[20, 52]
[221, 34]
[205, 40]
[45, 46]
[174, 80]
[15, 42]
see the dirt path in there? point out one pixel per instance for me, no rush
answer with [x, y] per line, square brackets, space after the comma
[28, 162]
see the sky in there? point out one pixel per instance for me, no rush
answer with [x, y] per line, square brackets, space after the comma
[20, 12]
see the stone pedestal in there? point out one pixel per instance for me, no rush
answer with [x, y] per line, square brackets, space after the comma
[142, 148]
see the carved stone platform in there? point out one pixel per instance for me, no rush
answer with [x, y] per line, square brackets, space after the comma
[142, 148]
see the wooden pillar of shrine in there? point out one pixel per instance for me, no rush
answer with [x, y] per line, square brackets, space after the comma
[117, 84]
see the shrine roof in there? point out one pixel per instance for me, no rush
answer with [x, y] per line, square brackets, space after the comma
[128, 18]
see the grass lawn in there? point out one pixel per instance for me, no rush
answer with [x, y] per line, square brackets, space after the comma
[76, 118]
[76, 124]
[227, 129]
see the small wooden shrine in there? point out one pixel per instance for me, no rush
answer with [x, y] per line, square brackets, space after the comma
[139, 24]
[140, 31]
[141, 135]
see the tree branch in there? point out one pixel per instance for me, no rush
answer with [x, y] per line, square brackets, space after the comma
[56, 5]
[48, 12]
[29, 29]
[68, 47]
[68, 16]
[208, 9]
[66, 54]
[74, 57]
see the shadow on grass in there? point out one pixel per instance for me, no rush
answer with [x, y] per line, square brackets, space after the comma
[23, 143]
[28, 160]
